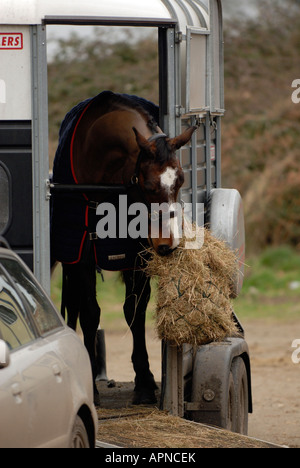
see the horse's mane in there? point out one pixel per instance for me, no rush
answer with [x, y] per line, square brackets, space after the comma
[121, 101]
[110, 100]
[163, 153]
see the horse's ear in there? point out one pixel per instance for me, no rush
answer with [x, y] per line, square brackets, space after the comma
[182, 139]
[144, 143]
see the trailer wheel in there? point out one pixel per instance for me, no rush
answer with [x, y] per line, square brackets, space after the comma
[240, 379]
[237, 402]
[231, 407]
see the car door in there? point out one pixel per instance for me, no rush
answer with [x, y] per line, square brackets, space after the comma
[46, 388]
[44, 376]
[17, 332]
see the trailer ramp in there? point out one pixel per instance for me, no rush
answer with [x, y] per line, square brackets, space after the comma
[122, 425]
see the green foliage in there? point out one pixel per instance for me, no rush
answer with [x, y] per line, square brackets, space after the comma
[282, 259]
[271, 285]
[273, 271]
[262, 125]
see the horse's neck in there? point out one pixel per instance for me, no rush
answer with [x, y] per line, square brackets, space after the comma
[109, 151]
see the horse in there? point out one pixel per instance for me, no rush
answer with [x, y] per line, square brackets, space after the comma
[113, 140]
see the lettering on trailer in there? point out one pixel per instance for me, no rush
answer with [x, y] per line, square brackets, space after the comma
[11, 41]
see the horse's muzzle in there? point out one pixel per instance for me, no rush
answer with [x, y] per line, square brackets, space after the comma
[164, 250]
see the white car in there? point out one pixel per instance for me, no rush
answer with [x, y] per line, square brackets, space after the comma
[46, 387]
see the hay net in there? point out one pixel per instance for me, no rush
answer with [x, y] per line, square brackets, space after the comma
[194, 289]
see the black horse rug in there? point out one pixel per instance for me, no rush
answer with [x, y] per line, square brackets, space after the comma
[73, 215]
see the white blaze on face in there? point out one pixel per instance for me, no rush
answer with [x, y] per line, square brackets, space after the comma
[168, 179]
[174, 230]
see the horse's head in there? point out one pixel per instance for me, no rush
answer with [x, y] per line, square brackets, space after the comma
[160, 178]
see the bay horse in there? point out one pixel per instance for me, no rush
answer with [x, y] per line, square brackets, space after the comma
[112, 140]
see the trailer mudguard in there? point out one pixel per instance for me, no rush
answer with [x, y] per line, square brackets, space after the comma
[215, 383]
[226, 221]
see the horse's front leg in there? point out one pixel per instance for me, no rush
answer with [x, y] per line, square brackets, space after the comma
[89, 317]
[71, 294]
[137, 297]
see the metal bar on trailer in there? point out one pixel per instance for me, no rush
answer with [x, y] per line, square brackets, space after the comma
[208, 155]
[172, 398]
[221, 74]
[111, 21]
[218, 153]
[40, 169]
[186, 12]
[194, 174]
[64, 188]
[170, 119]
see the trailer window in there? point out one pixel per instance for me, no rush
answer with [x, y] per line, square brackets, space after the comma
[4, 198]
[196, 71]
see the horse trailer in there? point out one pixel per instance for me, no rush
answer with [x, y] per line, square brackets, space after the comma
[211, 384]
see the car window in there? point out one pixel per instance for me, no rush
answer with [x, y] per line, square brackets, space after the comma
[15, 326]
[45, 317]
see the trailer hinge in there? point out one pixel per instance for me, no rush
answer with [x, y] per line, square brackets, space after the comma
[180, 111]
[48, 190]
[178, 37]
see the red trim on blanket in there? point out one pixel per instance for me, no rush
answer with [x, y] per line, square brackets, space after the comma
[87, 217]
[80, 251]
[76, 182]
[95, 253]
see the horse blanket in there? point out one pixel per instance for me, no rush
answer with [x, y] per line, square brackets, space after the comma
[73, 216]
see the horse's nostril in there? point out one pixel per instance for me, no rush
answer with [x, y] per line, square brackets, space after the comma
[164, 249]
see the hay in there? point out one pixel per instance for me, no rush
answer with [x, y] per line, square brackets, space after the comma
[158, 429]
[194, 288]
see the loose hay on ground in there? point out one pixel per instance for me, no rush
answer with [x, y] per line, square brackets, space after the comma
[154, 428]
[194, 292]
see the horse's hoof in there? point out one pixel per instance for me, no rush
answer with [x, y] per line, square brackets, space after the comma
[144, 397]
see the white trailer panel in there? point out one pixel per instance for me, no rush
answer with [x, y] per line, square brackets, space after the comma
[15, 73]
